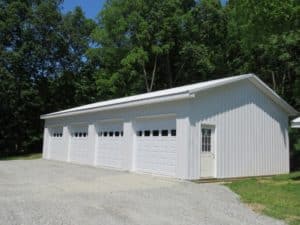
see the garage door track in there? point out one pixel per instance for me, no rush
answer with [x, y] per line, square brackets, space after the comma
[40, 192]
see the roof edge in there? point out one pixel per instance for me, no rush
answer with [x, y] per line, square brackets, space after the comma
[291, 111]
[156, 99]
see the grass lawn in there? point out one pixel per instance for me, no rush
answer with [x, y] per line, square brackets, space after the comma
[277, 196]
[23, 157]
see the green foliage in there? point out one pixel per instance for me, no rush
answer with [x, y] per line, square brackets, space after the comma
[158, 43]
[42, 68]
[277, 196]
[265, 37]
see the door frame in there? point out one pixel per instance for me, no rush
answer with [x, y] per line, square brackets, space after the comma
[213, 129]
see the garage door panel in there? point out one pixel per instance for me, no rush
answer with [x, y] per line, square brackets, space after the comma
[109, 144]
[79, 148]
[156, 147]
[57, 148]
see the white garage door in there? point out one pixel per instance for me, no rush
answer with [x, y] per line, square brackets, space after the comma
[109, 147]
[57, 147]
[156, 146]
[79, 148]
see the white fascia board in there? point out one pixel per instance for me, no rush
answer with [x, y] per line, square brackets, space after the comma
[174, 97]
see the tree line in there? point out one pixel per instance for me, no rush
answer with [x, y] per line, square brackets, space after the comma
[50, 60]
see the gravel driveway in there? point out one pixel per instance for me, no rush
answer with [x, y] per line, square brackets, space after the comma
[40, 192]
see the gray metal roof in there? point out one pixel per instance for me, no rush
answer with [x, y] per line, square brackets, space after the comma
[172, 93]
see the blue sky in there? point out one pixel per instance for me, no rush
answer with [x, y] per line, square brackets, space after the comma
[91, 8]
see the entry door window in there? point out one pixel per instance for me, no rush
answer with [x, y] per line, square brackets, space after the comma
[206, 139]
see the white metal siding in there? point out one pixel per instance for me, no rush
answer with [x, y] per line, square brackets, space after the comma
[46, 140]
[251, 132]
[183, 146]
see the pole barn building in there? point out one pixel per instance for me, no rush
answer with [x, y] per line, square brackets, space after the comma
[231, 127]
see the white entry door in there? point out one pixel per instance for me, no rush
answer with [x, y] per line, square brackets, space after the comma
[155, 150]
[110, 147]
[207, 154]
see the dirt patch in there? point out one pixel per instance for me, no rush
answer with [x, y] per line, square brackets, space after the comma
[256, 207]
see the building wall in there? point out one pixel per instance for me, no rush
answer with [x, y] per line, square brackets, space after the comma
[251, 132]
[129, 116]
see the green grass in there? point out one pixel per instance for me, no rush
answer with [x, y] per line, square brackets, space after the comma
[23, 157]
[277, 196]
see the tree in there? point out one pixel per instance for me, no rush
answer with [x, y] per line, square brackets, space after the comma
[38, 47]
[159, 43]
[202, 54]
[264, 39]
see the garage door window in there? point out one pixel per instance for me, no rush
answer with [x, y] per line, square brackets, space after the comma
[79, 134]
[56, 135]
[155, 133]
[147, 133]
[173, 132]
[110, 133]
[164, 132]
[56, 132]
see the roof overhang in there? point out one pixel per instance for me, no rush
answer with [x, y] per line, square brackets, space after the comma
[168, 98]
